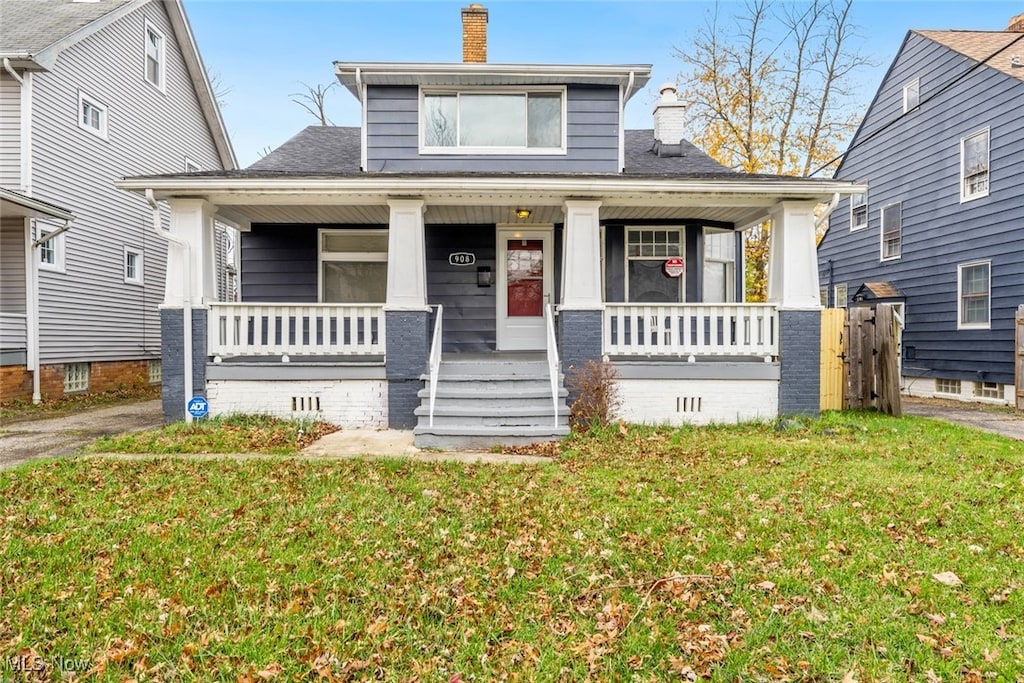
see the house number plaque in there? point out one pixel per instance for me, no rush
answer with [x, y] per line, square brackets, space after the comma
[461, 258]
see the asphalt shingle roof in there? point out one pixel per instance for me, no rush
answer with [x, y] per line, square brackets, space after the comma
[998, 47]
[28, 26]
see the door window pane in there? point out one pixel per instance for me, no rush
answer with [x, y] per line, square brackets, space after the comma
[525, 272]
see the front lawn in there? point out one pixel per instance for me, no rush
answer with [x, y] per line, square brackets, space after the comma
[860, 548]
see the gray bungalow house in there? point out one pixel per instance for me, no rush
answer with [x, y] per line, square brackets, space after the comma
[940, 232]
[488, 228]
[90, 91]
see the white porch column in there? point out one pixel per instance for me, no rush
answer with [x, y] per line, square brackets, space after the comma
[793, 258]
[190, 255]
[581, 258]
[407, 272]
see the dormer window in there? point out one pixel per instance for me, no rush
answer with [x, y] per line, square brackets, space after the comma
[493, 122]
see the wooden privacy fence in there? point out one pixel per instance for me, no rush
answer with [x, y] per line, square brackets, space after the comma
[860, 358]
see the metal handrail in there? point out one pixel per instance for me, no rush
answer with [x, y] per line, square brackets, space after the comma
[435, 359]
[553, 362]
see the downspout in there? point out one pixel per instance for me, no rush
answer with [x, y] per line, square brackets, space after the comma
[187, 307]
[10, 70]
[828, 212]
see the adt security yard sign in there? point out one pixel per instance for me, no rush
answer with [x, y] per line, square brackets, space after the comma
[198, 407]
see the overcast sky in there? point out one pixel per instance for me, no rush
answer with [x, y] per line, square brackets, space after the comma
[262, 51]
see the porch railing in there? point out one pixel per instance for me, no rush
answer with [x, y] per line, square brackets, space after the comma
[691, 329]
[554, 365]
[435, 358]
[254, 329]
[13, 328]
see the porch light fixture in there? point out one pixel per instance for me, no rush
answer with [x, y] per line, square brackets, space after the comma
[523, 214]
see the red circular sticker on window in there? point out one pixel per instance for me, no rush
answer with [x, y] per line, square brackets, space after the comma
[674, 267]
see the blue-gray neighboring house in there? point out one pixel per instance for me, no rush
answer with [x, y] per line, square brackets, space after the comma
[485, 231]
[940, 231]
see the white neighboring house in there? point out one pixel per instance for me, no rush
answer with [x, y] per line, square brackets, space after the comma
[91, 92]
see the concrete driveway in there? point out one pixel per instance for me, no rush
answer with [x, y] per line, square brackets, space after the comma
[24, 440]
[993, 419]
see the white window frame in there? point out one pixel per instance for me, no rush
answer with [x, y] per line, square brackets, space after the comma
[965, 195]
[139, 276]
[914, 87]
[823, 296]
[161, 66]
[350, 256]
[948, 387]
[456, 149]
[841, 293]
[989, 390]
[191, 166]
[85, 100]
[681, 229]
[960, 324]
[56, 247]
[881, 233]
[854, 225]
[730, 262]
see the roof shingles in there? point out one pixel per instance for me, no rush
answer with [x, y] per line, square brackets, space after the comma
[29, 26]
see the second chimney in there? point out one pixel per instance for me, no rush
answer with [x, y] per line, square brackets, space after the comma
[474, 34]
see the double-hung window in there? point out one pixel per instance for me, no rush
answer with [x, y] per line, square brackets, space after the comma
[353, 266]
[858, 211]
[155, 56]
[499, 121]
[647, 250]
[719, 266]
[974, 163]
[892, 231]
[132, 266]
[974, 287]
[92, 116]
[842, 295]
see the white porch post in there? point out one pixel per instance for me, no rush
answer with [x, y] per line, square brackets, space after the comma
[407, 273]
[190, 257]
[793, 257]
[581, 258]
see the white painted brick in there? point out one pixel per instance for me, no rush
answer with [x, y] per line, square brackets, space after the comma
[925, 387]
[664, 401]
[346, 403]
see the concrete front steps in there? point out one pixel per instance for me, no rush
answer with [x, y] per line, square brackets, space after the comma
[486, 401]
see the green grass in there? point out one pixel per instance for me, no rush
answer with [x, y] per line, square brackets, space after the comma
[228, 434]
[734, 553]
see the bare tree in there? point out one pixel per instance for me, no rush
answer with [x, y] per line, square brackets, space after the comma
[770, 91]
[314, 100]
[217, 86]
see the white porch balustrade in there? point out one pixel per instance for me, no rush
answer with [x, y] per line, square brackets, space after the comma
[254, 329]
[691, 329]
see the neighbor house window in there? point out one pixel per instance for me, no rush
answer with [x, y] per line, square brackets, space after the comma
[719, 266]
[155, 56]
[191, 166]
[647, 250]
[823, 296]
[841, 294]
[911, 95]
[858, 211]
[353, 266]
[156, 371]
[974, 287]
[132, 265]
[76, 377]
[892, 231]
[987, 390]
[496, 121]
[947, 386]
[92, 116]
[974, 163]
[51, 252]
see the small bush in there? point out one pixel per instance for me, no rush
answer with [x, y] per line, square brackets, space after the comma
[595, 397]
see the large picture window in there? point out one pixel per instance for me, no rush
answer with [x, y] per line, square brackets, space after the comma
[493, 121]
[646, 253]
[353, 266]
[974, 299]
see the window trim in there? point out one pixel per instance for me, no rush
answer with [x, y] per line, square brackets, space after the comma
[854, 226]
[343, 256]
[906, 88]
[626, 258]
[960, 324]
[562, 149]
[964, 197]
[881, 233]
[191, 166]
[140, 274]
[161, 63]
[86, 99]
[730, 263]
[57, 242]
[844, 300]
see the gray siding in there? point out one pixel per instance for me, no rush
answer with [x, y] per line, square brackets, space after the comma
[916, 161]
[10, 132]
[12, 283]
[469, 310]
[592, 120]
[89, 312]
[279, 264]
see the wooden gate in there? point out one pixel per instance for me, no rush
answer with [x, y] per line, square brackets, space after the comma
[833, 377]
[1019, 358]
[860, 359]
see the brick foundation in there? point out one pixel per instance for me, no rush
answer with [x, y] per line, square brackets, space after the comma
[15, 383]
[16, 380]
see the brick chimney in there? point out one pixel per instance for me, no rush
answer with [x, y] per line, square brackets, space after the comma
[669, 119]
[474, 34]
[1016, 24]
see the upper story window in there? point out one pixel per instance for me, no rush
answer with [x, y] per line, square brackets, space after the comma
[92, 116]
[494, 122]
[974, 288]
[892, 231]
[911, 95]
[858, 211]
[155, 56]
[974, 161]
